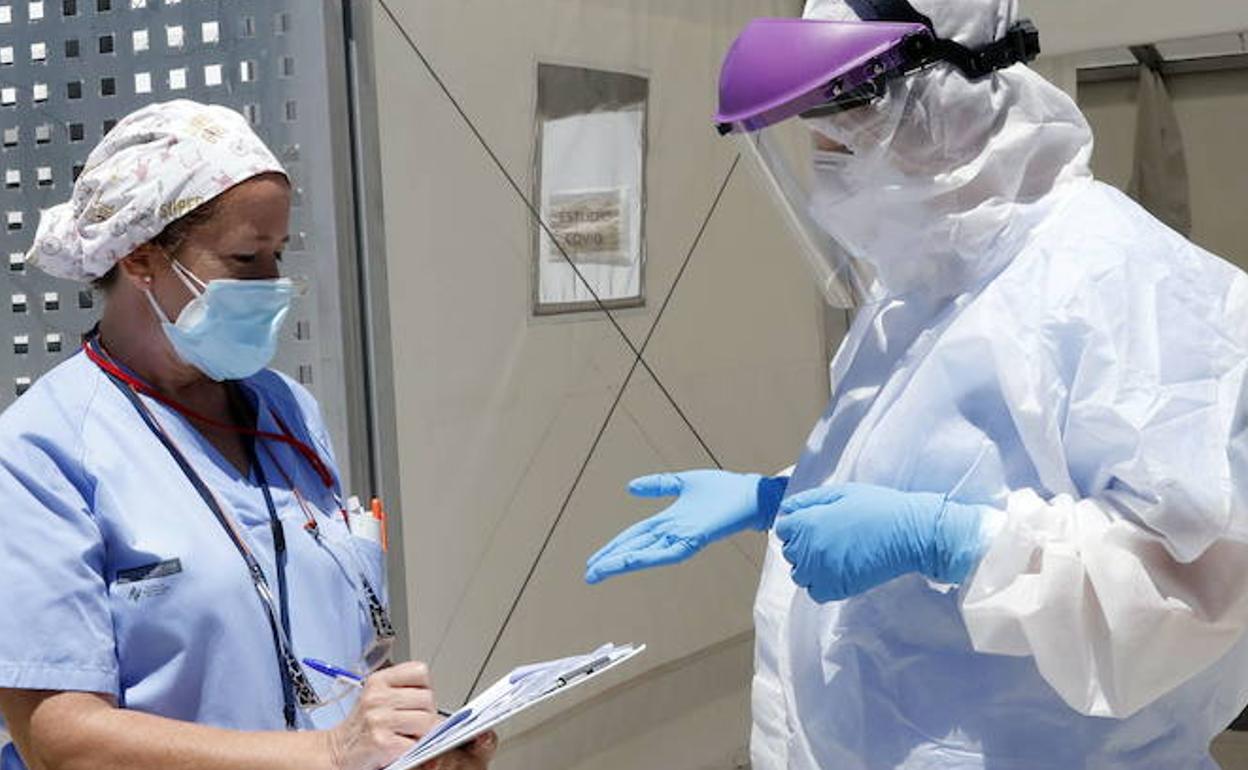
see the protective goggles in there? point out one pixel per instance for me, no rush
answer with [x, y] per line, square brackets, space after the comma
[783, 68]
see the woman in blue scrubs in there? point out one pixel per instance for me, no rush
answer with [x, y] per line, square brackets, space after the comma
[173, 542]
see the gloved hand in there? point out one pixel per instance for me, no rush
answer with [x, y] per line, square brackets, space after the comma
[844, 539]
[712, 505]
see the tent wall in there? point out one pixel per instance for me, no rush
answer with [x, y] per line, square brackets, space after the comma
[1213, 115]
[496, 409]
[1070, 26]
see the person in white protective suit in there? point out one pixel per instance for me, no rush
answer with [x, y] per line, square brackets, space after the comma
[1018, 537]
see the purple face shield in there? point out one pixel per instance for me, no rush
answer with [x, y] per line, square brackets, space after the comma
[781, 68]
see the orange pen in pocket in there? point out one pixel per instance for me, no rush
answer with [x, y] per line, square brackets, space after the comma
[379, 514]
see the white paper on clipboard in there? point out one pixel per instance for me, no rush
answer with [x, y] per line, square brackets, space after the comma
[519, 691]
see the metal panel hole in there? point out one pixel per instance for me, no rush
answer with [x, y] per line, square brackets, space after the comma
[246, 71]
[52, 342]
[39, 92]
[21, 344]
[141, 40]
[8, 96]
[86, 300]
[76, 134]
[249, 26]
[6, 14]
[108, 86]
[73, 89]
[43, 176]
[51, 301]
[142, 82]
[13, 221]
[72, 48]
[69, 7]
[17, 262]
[12, 178]
[212, 75]
[17, 303]
[43, 133]
[175, 36]
[210, 32]
[103, 6]
[38, 52]
[21, 385]
[252, 112]
[109, 124]
[10, 137]
[36, 11]
[281, 24]
[6, 55]
[107, 43]
[75, 171]
[177, 79]
[292, 111]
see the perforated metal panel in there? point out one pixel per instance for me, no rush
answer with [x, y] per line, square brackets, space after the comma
[69, 69]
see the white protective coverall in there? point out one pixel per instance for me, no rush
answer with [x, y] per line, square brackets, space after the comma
[1047, 348]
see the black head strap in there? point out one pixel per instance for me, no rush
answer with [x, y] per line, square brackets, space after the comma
[1020, 44]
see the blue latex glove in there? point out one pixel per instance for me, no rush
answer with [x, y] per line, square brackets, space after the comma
[711, 505]
[844, 539]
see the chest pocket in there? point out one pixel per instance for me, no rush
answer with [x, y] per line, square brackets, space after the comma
[167, 600]
[357, 556]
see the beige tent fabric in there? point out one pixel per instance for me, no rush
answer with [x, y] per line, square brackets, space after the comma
[496, 409]
[1159, 181]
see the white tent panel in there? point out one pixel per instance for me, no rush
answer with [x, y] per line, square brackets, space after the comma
[1069, 26]
[497, 409]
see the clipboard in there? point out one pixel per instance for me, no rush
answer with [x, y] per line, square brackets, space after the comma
[517, 692]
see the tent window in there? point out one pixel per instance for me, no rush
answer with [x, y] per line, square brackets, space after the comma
[590, 163]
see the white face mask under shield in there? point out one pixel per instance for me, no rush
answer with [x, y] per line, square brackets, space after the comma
[808, 179]
[907, 208]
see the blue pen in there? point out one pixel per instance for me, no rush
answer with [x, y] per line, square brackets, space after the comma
[340, 674]
[344, 676]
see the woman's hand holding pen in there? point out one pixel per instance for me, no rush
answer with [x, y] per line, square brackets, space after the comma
[395, 708]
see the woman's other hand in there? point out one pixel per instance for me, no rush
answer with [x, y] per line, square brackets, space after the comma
[475, 756]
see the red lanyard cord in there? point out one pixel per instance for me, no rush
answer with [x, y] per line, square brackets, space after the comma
[309, 517]
[308, 453]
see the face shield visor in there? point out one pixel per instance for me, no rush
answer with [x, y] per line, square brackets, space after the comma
[779, 69]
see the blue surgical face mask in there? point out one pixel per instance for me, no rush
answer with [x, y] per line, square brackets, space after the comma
[229, 331]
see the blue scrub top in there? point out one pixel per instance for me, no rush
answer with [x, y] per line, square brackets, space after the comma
[117, 578]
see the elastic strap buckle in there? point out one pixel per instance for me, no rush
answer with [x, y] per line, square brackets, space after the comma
[1021, 44]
